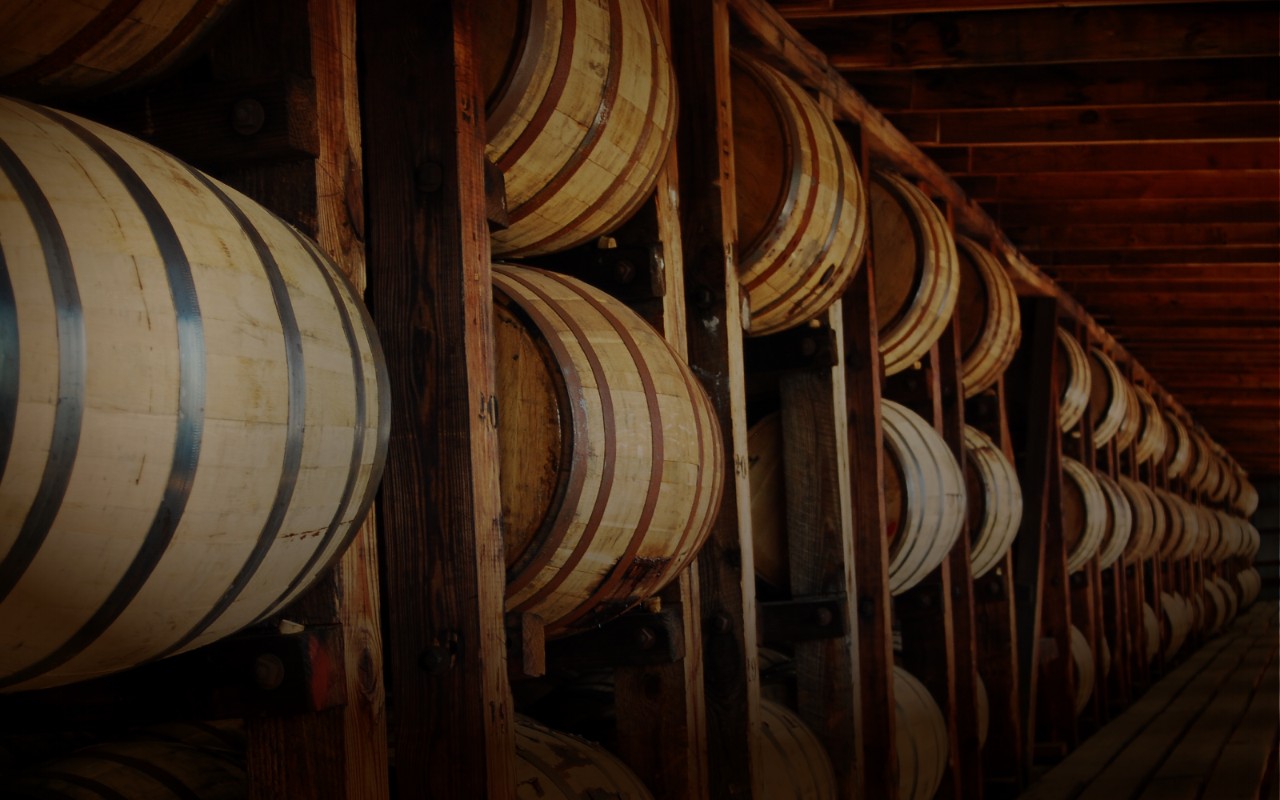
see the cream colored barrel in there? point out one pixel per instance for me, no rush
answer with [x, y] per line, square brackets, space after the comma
[1190, 527]
[197, 403]
[55, 47]
[1253, 541]
[1108, 399]
[917, 270]
[1177, 616]
[1250, 584]
[1131, 424]
[1119, 524]
[1153, 435]
[1201, 460]
[1230, 597]
[924, 496]
[1142, 503]
[551, 765]
[1247, 498]
[580, 113]
[1075, 380]
[990, 322]
[1224, 486]
[610, 455]
[1084, 513]
[802, 209]
[921, 738]
[793, 763]
[1082, 658]
[1174, 529]
[1179, 447]
[983, 704]
[1218, 610]
[1233, 537]
[1151, 630]
[144, 769]
[1211, 532]
[768, 502]
[994, 500]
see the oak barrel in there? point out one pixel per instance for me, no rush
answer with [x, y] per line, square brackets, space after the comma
[921, 738]
[580, 113]
[1201, 461]
[1231, 600]
[1148, 519]
[1179, 447]
[1190, 525]
[551, 765]
[610, 457]
[924, 496]
[1108, 397]
[1211, 533]
[990, 323]
[197, 402]
[994, 499]
[802, 209]
[917, 270]
[1153, 435]
[1084, 513]
[1075, 380]
[793, 763]
[1247, 498]
[1119, 524]
[1082, 658]
[1174, 529]
[141, 769]
[1250, 584]
[54, 47]
[1177, 618]
[1131, 423]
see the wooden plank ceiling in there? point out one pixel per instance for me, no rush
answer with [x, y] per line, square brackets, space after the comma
[1130, 149]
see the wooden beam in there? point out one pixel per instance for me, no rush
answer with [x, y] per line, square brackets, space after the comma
[1057, 259]
[1104, 211]
[1177, 276]
[429, 278]
[1102, 237]
[1159, 335]
[838, 9]
[1106, 84]
[1234, 401]
[1047, 36]
[1183, 123]
[1191, 287]
[1121, 157]
[1262, 184]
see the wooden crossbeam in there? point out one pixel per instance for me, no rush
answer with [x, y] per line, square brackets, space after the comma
[1105, 157]
[1104, 211]
[1046, 35]
[1104, 84]
[1057, 259]
[1139, 236]
[1135, 123]
[1173, 183]
[836, 9]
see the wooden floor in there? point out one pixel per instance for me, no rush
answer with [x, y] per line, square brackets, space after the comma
[1207, 730]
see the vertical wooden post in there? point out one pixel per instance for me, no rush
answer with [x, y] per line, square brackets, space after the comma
[429, 280]
[873, 709]
[726, 573]
[996, 631]
[1034, 393]
[821, 544]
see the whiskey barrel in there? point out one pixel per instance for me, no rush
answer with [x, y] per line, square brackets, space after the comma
[917, 271]
[1201, 461]
[921, 738]
[581, 111]
[802, 210]
[551, 765]
[1177, 618]
[1174, 529]
[1230, 600]
[1211, 530]
[1190, 525]
[56, 47]
[1084, 513]
[143, 769]
[793, 763]
[610, 458]
[1108, 397]
[1153, 435]
[198, 406]
[1232, 539]
[990, 323]
[1254, 540]
[1247, 498]
[1131, 423]
[768, 502]
[924, 496]
[1179, 448]
[1148, 519]
[1250, 584]
[1075, 380]
[994, 500]
[1082, 659]
[1151, 630]
[1119, 522]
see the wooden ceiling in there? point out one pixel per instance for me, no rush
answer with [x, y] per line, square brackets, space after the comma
[1130, 149]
